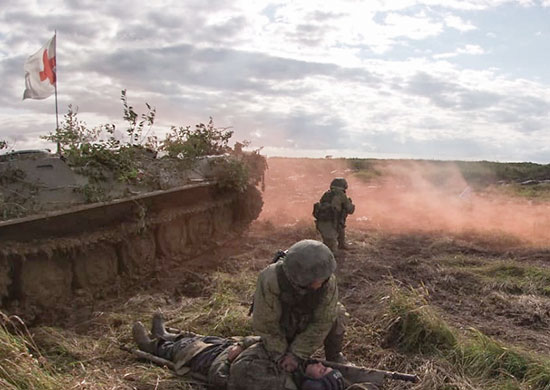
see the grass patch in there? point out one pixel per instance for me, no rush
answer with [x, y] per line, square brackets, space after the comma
[492, 240]
[461, 261]
[513, 277]
[225, 312]
[504, 275]
[19, 368]
[416, 328]
[516, 278]
[484, 357]
[538, 192]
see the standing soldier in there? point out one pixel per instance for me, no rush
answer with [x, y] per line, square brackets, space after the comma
[296, 308]
[331, 212]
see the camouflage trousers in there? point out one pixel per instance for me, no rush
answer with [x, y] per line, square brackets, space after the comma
[211, 366]
[334, 236]
[334, 341]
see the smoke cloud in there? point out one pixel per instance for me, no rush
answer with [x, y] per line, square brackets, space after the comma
[401, 197]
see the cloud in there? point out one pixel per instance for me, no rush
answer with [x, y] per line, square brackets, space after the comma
[418, 26]
[468, 49]
[349, 77]
[457, 23]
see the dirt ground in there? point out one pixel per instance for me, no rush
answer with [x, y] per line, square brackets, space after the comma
[446, 265]
[376, 261]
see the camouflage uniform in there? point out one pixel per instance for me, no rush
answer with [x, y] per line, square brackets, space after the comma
[331, 222]
[254, 369]
[206, 358]
[291, 318]
[202, 355]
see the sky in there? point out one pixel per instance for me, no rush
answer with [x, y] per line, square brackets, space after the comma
[432, 79]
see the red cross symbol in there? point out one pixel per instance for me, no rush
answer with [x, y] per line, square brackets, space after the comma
[49, 68]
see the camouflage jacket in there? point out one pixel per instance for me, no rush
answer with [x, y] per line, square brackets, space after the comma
[255, 370]
[339, 202]
[199, 344]
[283, 328]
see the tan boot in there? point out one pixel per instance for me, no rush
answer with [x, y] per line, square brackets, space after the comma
[159, 331]
[141, 337]
[157, 328]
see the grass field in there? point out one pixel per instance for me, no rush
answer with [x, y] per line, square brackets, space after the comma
[464, 308]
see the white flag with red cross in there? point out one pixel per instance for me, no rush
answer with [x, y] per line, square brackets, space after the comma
[40, 77]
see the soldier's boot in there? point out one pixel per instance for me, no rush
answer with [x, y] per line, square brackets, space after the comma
[141, 337]
[159, 331]
[333, 346]
[331, 243]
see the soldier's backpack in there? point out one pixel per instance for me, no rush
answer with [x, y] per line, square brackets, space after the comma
[323, 210]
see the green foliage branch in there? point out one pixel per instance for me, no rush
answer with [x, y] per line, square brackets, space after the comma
[202, 140]
[95, 151]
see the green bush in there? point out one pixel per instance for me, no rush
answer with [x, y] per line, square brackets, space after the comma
[203, 140]
[90, 152]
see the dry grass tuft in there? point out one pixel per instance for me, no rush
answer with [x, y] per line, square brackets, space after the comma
[19, 368]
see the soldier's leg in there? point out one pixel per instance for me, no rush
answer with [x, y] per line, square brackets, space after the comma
[334, 341]
[329, 234]
[331, 243]
[141, 337]
[342, 238]
[158, 329]
[165, 349]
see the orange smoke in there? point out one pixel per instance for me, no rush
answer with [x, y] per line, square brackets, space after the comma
[406, 196]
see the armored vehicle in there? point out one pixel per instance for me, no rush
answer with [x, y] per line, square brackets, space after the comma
[64, 235]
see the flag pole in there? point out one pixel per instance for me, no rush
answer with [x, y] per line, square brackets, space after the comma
[55, 87]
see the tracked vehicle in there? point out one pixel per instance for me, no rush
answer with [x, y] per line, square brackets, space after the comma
[63, 236]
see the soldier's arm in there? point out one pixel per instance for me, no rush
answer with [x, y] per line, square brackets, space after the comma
[267, 313]
[314, 335]
[348, 205]
[246, 341]
[241, 344]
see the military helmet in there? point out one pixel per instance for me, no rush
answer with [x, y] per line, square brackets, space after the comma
[307, 261]
[339, 182]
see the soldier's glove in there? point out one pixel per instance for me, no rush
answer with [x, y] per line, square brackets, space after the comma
[289, 362]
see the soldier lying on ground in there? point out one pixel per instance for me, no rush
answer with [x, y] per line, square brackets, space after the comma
[232, 364]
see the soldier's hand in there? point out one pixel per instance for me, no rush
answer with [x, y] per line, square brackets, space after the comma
[289, 362]
[234, 351]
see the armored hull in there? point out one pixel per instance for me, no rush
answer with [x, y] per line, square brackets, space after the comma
[70, 248]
